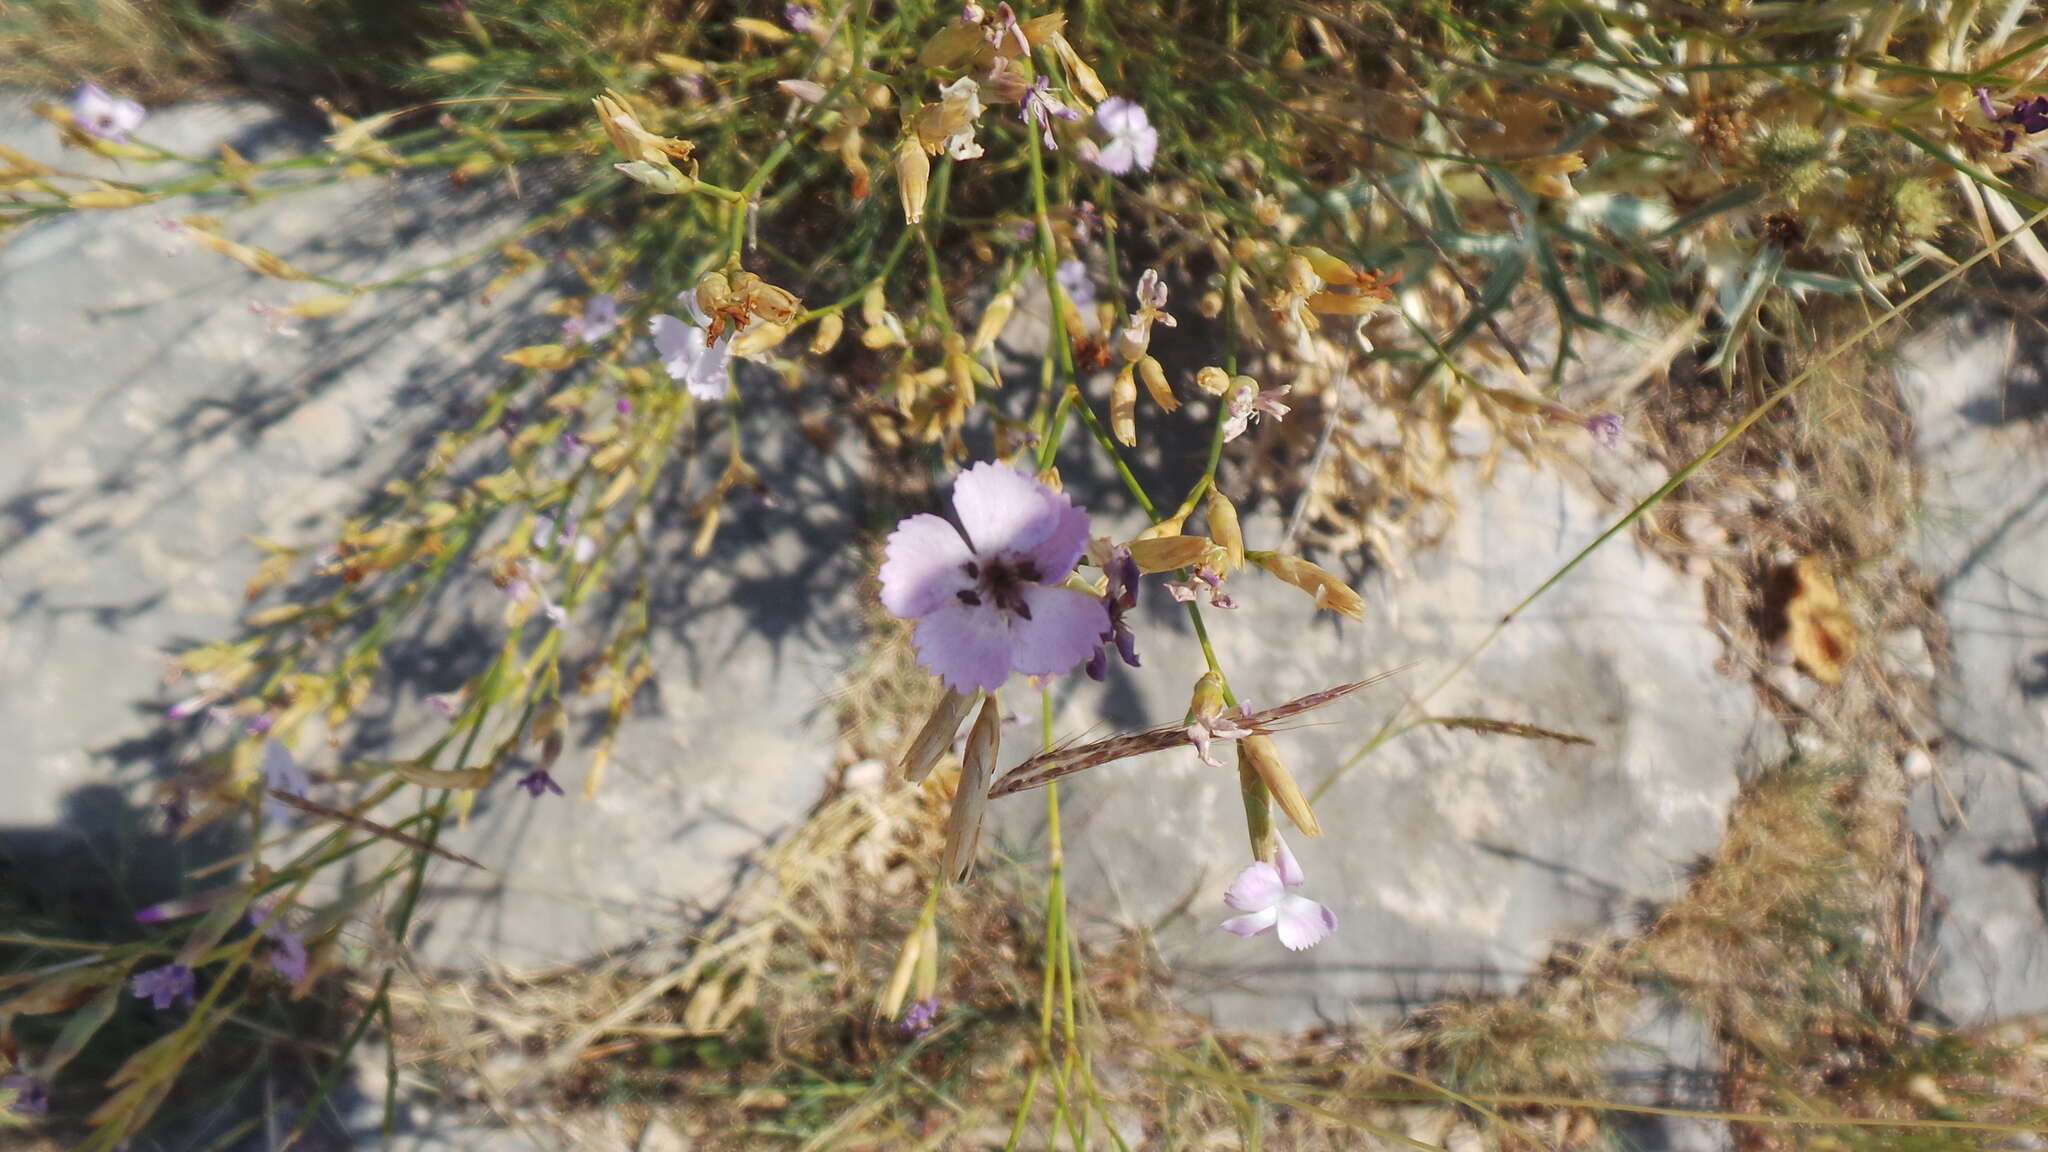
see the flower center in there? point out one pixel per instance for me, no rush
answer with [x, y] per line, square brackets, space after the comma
[1001, 582]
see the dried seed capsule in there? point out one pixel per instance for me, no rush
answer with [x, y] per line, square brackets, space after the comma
[1123, 407]
[1223, 527]
[1155, 382]
[1263, 757]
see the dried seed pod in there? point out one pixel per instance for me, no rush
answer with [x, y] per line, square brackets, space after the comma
[1123, 407]
[1330, 593]
[936, 736]
[1258, 753]
[994, 319]
[1154, 376]
[970, 799]
[913, 176]
[1223, 528]
[1167, 553]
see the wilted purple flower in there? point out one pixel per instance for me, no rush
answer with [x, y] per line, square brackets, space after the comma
[1073, 280]
[600, 319]
[1984, 102]
[2029, 116]
[1248, 403]
[530, 585]
[987, 596]
[1222, 726]
[798, 17]
[1133, 142]
[1120, 595]
[164, 986]
[31, 1095]
[1087, 220]
[176, 810]
[920, 1017]
[692, 360]
[538, 783]
[446, 703]
[1260, 892]
[573, 446]
[1040, 107]
[103, 115]
[1137, 335]
[1605, 428]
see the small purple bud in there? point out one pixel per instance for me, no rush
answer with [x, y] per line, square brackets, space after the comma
[624, 405]
[1984, 102]
[1605, 428]
[538, 783]
[920, 1018]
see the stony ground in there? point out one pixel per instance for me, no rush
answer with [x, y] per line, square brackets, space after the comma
[149, 424]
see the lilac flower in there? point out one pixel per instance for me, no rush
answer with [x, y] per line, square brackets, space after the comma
[573, 446]
[1605, 428]
[697, 363]
[446, 703]
[164, 986]
[1133, 142]
[798, 17]
[600, 319]
[1248, 403]
[1119, 596]
[31, 1096]
[987, 596]
[281, 772]
[1222, 726]
[103, 115]
[1260, 893]
[1073, 280]
[920, 1018]
[544, 535]
[1040, 107]
[538, 783]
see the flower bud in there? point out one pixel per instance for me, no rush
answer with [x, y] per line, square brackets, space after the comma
[970, 799]
[1213, 380]
[758, 338]
[1207, 703]
[1223, 528]
[936, 736]
[913, 175]
[1330, 593]
[1123, 406]
[1155, 382]
[993, 320]
[1263, 757]
[827, 335]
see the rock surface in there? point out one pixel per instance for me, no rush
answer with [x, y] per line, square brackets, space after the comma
[149, 424]
[1979, 400]
[1452, 859]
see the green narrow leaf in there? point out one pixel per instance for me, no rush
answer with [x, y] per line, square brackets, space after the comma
[79, 1029]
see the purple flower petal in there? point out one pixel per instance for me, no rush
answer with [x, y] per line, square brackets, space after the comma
[1287, 866]
[1065, 626]
[969, 647]
[1004, 510]
[925, 566]
[1252, 923]
[1303, 922]
[1257, 887]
